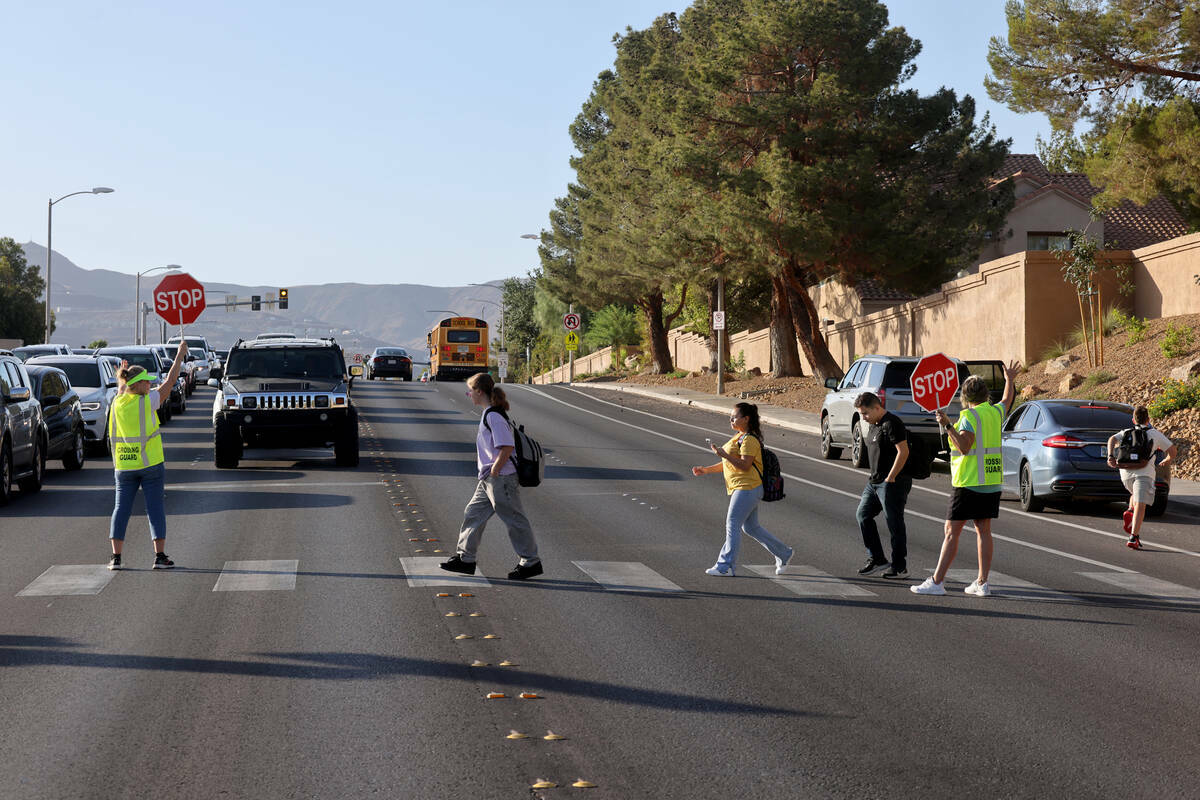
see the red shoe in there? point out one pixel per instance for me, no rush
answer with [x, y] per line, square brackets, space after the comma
[1135, 543]
[1128, 517]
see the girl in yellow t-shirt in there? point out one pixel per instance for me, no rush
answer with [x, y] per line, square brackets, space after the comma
[741, 462]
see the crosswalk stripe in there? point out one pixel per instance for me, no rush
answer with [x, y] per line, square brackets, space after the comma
[1002, 585]
[66, 579]
[627, 576]
[424, 571]
[808, 581]
[1145, 585]
[257, 576]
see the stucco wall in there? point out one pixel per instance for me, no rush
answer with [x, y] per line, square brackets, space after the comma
[1164, 275]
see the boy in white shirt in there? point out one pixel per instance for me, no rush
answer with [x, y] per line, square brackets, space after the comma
[1139, 477]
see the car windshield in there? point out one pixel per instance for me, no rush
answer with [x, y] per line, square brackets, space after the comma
[84, 375]
[285, 362]
[144, 360]
[1089, 416]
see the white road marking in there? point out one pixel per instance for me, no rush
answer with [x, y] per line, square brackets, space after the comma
[1009, 587]
[424, 571]
[823, 462]
[205, 487]
[65, 579]
[627, 576]
[823, 487]
[809, 581]
[1145, 585]
[257, 576]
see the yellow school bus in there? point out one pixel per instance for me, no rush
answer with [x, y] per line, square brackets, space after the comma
[458, 348]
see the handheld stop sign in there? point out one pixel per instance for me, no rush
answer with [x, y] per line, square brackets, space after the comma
[934, 382]
[179, 299]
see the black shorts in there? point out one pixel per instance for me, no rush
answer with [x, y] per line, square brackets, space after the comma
[967, 504]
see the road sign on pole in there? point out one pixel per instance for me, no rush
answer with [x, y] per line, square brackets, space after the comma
[502, 364]
[572, 340]
[934, 382]
[718, 320]
[179, 299]
[572, 322]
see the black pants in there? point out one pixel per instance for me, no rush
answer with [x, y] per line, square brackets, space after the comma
[890, 498]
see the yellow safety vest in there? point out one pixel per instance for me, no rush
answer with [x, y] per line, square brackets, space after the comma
[970, 469]
[133, 431]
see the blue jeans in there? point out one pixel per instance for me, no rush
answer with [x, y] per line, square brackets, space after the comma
[743, 516]
[153, 483]
[889, 498]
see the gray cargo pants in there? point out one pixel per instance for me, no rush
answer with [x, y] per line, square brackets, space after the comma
[500, 496]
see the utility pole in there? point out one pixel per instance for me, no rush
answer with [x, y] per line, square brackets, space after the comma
[571, 353]
[721, 336]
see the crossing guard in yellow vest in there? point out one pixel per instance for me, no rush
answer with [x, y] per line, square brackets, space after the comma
[138, 459]
[976, 473]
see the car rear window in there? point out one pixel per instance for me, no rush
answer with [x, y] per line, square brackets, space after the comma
[1085, 416]
[85, 375]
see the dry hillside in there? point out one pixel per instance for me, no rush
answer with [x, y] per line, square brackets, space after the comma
[1131, 373]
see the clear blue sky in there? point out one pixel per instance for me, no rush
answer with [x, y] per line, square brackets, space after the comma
[376, 142]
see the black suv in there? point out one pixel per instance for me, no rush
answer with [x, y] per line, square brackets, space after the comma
[22, 431]
[284, 393]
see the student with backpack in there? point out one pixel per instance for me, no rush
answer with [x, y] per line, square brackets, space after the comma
[744, 467]
[497, 491]
[887, 487]
[1132, 451]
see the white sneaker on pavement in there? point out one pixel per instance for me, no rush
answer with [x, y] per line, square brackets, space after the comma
[978, 589]
[719, 571]
[781, 563]
[928, 587]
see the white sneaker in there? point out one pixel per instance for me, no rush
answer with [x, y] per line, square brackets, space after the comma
[978, 589]
[717, 569]
[928, 587]
[781, 563]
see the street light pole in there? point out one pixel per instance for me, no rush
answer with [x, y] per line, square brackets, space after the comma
[139, 327]
[50, 242]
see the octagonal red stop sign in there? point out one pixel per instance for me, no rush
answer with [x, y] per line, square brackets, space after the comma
[934, 382]
[179, 299]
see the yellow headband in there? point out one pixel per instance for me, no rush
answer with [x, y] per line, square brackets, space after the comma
[141, 376]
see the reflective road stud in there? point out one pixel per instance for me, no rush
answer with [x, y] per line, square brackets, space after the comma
[474, 614]
[507, 663]
[582, 784]
[442, 594]
[542, 783]
[465, 594]
[478, 663]
[551, 736]
[464, 636]
[516, 735]
[530, 696]
[453, 614]
[491, 636]
[496, 696]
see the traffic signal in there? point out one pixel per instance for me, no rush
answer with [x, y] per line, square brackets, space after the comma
[255, 302]
[282, 299]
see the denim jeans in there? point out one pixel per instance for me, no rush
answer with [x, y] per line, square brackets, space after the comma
[743, 516]
[153, 483]
[889, 498]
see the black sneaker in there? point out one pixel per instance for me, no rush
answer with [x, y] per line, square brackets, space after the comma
[872, 566]
[162, 562]
[114, 561]
[525, 571]
[456, 564]
[896, 573]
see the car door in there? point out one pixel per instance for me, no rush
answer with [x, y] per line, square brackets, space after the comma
[841, 404]
[54, 413]
[22, 416]
[1011, 439]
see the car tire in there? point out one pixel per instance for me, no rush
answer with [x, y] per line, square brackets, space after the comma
[1159, 506]
[73, 459]
[33, 483]
[164, 413]
[6, 473]
[858, 451]
[345, 447]
[1028, 500]
[227, 445]
[828, 451]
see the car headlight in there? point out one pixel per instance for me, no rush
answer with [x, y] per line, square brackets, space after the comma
[90, 406]
[321, 401]
[250, 402]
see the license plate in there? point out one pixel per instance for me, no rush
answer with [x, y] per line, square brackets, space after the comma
[391, 361]
[462, 348]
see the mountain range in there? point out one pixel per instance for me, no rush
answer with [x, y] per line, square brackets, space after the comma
[99, 304]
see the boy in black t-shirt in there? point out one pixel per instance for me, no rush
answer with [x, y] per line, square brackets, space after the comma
[886, 490]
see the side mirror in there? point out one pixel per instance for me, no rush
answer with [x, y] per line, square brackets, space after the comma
[191, 357]
[356, 371]
[214, 382]
[19, 394]
[831, 383]
[110, 383]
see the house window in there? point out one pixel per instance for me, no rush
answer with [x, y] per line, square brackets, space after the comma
[1047, 241]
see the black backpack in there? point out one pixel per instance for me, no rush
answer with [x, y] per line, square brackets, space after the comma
[1135, 448]
[527, 453]
[918, 464]
[770, 475]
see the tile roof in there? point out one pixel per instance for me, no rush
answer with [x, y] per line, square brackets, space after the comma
[870, 290]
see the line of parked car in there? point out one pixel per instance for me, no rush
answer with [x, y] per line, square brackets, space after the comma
[54, 401]
[1053, 449]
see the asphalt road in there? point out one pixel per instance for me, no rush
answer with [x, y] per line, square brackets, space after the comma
[321, 670]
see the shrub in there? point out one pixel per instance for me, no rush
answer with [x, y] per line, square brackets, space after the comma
[1097, 378]
[678, 373]
[737, 364]
[1055, 349]
[1175, 396]
[1136, 328]
[1177, 341]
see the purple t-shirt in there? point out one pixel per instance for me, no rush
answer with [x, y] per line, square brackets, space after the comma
[487, 445]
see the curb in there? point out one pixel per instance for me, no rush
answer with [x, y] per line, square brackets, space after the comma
[766, 412]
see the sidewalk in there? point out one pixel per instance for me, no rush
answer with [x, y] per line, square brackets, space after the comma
[1183, 492]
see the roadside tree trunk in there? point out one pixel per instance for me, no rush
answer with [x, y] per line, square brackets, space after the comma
[807, 323]
[785, 357]
[712, 336]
